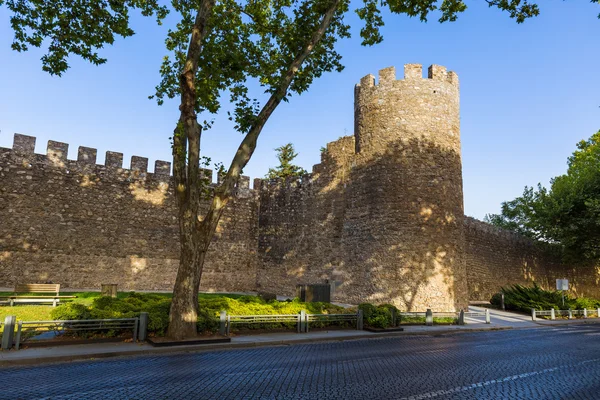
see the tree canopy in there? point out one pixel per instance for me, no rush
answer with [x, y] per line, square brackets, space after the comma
[286, 169]
[567, 213]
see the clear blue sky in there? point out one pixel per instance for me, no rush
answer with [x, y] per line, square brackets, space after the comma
[529, 92]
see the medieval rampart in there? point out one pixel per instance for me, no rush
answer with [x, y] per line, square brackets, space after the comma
[496, 258]
[380, 218]
[81, 224]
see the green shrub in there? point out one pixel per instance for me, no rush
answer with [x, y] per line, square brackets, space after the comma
[207, 321]
[378, 316]
[524, 298]
[70, 311]
[130, 305]
[368, 310]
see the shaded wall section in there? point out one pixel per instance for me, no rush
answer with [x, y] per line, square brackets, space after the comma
[497, 258]
[301, 224]
[81, 224]
[403, 235]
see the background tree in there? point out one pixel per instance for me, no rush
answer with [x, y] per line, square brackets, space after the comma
[567, 214]
[219, 47]
[286, 169]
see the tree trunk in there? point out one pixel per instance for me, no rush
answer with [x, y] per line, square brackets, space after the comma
[183, 314]
[196, 235]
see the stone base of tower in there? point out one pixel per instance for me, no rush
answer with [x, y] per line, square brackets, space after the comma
[366, 227]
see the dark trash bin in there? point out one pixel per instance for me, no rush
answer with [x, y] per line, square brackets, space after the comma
[313, 293]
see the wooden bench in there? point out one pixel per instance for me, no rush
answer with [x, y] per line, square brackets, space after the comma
[36, 288]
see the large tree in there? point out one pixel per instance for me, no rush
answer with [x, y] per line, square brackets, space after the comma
[217, 47]
[567, 213]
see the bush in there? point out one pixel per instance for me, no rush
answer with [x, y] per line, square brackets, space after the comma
[378, 316]
[524, 298]
[130, 305]
[70, 311]
[207, 321]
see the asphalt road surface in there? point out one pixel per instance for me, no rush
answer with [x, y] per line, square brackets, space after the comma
[561, 362]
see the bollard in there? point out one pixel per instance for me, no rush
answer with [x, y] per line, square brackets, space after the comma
[222, 322]
[533, 314]
[585, 313]
[488, 319]
[570, 314]
[303, 322]
[461, 317]
[18, 337]
[502, 302]
[552, 314]
[143, 330]
[9, 332]
[429, 317]
[359, 320]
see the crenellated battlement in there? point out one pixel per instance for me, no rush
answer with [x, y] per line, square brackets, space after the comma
[481, 227]
[412, 72]
[56, 156]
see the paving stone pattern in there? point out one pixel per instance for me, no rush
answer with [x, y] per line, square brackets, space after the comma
[543, 363]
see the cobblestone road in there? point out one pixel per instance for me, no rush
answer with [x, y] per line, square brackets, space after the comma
[546, 363]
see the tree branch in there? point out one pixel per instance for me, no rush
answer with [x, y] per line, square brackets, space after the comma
[186, 141]
[248, 144]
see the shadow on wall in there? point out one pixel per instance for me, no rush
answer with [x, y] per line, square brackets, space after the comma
[78, 223]
[386, 228]
[497, 258]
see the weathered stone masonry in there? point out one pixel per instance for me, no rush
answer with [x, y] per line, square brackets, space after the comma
[381, 217]
[82, 224]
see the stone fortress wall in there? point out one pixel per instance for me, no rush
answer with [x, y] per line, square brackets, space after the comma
[81, 224]
[380, 218]
[382, 215]
[496, 258]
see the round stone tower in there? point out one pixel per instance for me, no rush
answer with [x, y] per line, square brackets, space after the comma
[403, 232]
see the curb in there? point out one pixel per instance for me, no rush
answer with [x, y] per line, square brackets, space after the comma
[228, 347]
[568, 322]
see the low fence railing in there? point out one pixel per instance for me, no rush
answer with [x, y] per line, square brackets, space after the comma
[335, 318]
[26, 330]
[302, 320]
[460, 316]
[19, 332]
[31, 329]
[258, 319]
[570, 314]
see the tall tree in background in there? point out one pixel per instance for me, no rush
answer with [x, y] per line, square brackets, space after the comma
[219, 46]
[568, 213]
[285, 169]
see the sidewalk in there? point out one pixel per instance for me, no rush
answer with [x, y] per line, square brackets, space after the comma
[65, 353]
[505, 318]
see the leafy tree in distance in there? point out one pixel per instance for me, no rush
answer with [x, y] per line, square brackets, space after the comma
[566, 214]
[285, 169]
[217, 47]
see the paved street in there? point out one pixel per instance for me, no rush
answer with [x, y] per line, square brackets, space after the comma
[561, 362]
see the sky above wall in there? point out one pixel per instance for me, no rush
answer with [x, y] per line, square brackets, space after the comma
[529, 93]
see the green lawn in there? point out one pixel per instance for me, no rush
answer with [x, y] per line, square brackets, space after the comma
[41, 312]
